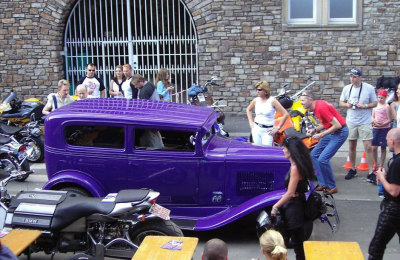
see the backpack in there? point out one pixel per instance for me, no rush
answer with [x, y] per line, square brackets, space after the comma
[315, 206]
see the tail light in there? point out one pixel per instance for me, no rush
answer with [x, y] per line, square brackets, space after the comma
[153, 201]
[22, 148]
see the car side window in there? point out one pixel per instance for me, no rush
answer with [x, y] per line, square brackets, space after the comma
[165, 140]
[95, 136]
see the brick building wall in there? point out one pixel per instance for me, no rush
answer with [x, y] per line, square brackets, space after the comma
[241, 42]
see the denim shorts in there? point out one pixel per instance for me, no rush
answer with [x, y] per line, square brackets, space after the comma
[379, 136]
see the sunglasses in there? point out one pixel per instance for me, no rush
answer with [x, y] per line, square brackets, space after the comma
[91, 70]
[259, 89]
[287, 140]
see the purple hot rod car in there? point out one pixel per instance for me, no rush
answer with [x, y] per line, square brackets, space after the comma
[98, 146]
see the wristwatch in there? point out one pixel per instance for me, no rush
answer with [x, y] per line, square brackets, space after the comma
[365, 105]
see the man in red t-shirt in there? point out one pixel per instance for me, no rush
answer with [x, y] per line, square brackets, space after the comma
[330, 140]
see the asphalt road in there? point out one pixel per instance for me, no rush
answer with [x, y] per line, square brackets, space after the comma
[357, 203]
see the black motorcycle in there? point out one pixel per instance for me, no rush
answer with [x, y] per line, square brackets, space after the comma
[30, 135]
[199, 96]
[112, 226]
[13, 156]
[16, 112]
[329, 216]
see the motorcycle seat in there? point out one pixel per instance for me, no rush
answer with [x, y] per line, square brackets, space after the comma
[4, 139]
[131, 195]
[74, 208]
[9, 129]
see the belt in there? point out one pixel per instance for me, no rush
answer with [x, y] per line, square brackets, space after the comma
[264, 126]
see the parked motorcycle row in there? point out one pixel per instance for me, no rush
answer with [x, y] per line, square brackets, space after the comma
[21, 138]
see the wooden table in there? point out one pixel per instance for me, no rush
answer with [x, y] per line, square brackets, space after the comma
[332, 250]
[151, 248]
[19, 239]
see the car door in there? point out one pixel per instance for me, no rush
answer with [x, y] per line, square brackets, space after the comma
[94, 150]
[171, 169]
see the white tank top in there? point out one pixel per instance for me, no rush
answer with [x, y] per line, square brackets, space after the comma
[265, 112]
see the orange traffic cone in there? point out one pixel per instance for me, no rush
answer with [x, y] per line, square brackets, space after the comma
[363, 165]
[347, 165]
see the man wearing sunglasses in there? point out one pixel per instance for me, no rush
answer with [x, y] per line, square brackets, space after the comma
[388, 222]
[330, 140]
[95, 86]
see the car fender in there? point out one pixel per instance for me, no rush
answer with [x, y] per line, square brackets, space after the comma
[234, 213]
[77, 179]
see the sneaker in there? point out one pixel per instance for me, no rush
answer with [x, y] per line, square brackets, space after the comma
[351, 174]
[371, 178]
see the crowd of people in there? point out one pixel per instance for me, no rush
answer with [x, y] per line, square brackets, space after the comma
[369, 118]
[124, 84]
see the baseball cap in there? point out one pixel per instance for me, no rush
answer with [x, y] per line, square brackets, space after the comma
[382, 93]
[356, 72]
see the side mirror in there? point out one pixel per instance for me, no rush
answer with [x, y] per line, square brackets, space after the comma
[32, 117]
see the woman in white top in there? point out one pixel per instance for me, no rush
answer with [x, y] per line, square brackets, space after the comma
[116, 83]
[262, 126]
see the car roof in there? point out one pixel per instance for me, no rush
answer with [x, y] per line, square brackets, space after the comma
[137, 110]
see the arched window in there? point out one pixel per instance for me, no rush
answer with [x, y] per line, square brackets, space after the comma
[148, 34]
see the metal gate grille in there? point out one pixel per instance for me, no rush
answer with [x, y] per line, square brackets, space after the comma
[148, 34]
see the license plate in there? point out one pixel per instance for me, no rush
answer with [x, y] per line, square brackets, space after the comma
[160, 211]
[21, 156]
[201, 97]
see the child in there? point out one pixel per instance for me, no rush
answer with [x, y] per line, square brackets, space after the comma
[381, 124]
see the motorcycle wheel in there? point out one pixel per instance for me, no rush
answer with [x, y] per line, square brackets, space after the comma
[157, 227]
[10, 163]
[38, 150]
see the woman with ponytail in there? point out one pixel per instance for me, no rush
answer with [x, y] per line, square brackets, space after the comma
[273, 245]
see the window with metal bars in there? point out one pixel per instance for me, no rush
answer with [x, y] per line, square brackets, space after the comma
[148, 34]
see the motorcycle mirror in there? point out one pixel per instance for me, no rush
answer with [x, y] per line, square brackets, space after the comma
[222, 103]
[282, 91]
[3, 214]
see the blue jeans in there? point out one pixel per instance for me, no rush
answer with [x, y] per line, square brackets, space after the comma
[322, 154]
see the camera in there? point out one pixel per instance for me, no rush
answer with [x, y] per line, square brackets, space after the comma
[353, 104]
